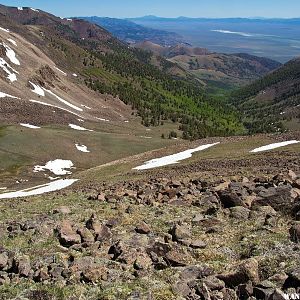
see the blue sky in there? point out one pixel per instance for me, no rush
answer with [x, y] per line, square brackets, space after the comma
[166, 8]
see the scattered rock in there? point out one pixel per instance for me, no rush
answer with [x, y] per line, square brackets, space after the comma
[230, 199]
[67, 235]
[3, 260]
[86, 235]
[246, 271]
[198, 244]
[62, 210]
[240, 213]
[143, 228]
[22, 265]
[95, 274]
[180, 233]
[295, 233]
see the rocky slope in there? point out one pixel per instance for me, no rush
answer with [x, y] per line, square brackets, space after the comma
[180, 237]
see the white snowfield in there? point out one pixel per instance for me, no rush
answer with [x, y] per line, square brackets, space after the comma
[75, 75]
[76, 127]
[3, 95]
[55, 106]
[34, 9]
[30, 126]
[37, 89]
[57, 167]
[274, 146]
[63, 101]
[172, 159]
[20, 8]
[82, 148]
[40, 189]
[11, 72]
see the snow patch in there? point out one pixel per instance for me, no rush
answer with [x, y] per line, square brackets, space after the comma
[29, 126]
[104, 120]
[3, 95]
[82, 148]
[87, 107]
[65, 74]
[80, 120]
[46, 104]
[37, 89]
[13, 42]
[10, 53]
[76, 127]
[75, 75]
[11, 76]
[172, 159]
[57, 167]
[40, 189]
[34, 9]
[53, 178]
[3, 29]
[20, 8]
[63, 101]
[274, 146]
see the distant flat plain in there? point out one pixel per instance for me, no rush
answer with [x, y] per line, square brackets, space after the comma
[278, 39]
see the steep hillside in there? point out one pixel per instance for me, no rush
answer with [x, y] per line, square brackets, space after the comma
[71, 93]
[215, 69]
[273, 102]
[110, 67]
[130, 32]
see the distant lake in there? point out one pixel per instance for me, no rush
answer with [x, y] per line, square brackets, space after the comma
[276, 39]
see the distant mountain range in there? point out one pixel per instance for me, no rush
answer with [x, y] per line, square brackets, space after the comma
[189, 19]
[131, 32]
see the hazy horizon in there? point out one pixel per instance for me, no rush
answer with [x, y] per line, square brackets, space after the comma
[270, 9]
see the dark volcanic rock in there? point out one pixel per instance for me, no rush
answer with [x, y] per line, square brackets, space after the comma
[230, 199]
[279, 198]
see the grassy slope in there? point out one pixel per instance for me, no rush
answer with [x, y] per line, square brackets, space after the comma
[107, 143]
